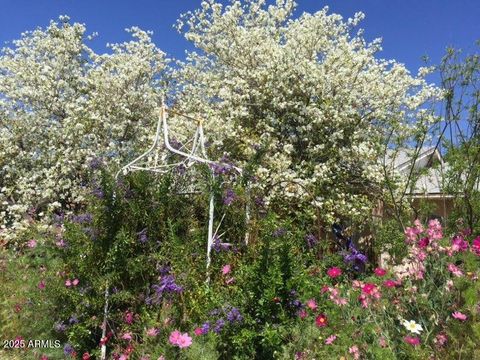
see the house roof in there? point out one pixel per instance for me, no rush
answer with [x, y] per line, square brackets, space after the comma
[430, 183]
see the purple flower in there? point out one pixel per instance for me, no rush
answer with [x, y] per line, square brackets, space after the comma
[205, 327]
[58, 218]
[166, 286]
[219, 326]
[82, 218]
[73, 320]
[311, 240]
[96, 163]
[259, 201]
[98, 192]
[218, 246]
[142, 236]
[234, 316]
[229, 197]
[355, 258]
[68, 349]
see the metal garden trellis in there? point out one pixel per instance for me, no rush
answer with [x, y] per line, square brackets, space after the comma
[159, 164]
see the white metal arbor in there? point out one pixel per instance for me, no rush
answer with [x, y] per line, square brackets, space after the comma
[155, 160]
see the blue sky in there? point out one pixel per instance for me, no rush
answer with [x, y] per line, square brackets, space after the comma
[409, 28]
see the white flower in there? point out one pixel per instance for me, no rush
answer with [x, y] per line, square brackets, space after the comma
[412, 326]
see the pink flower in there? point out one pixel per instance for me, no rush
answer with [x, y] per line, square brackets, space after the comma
[441, 339]
[128, 317]
[380, 272]
[410, 235]
[185, 341]
[43, 357]
[455, 270]
[312, 304]
[334, 272]
[382, 342]
[321, 320]
[174, 337]
[198, 331]
[68, 283]
[75, 282]
[330, 339]
[152, 332]
[476, 246]
[369, 288]
[123, 357]
[423, 242]
[459, 316]
[181, 340]
[32, 243]
[127, 336]
[41, 285]
[355, 352]
[302, 314]
[226, 269]
[389, 283]
[412, 340]
[459, 244]
[434, 230]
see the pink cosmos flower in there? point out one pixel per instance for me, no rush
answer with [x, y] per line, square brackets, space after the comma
[334, 272]
[330, 339]
[32, 243]
[43, 357]
[459, 244]
[41, 285]
[312, 304]
[355, 352]
[410, 235]
[455, 270]
[434, 230]
[123, 357]
[75, 282]
[226, 269]
[380, 272]
[476, 246]
[198, 331]
[321, 320]
[412, 340]
[459, 316]
[86, 356]
[389, 283]
[68, 283]
[127, 336]
[441, 339]
[181, 340]
[128, 317]
[152, 332]
[369, 288]
[423, 242]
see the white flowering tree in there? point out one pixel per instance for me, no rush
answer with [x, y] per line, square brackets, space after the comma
[63, 108]
[306, 97]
